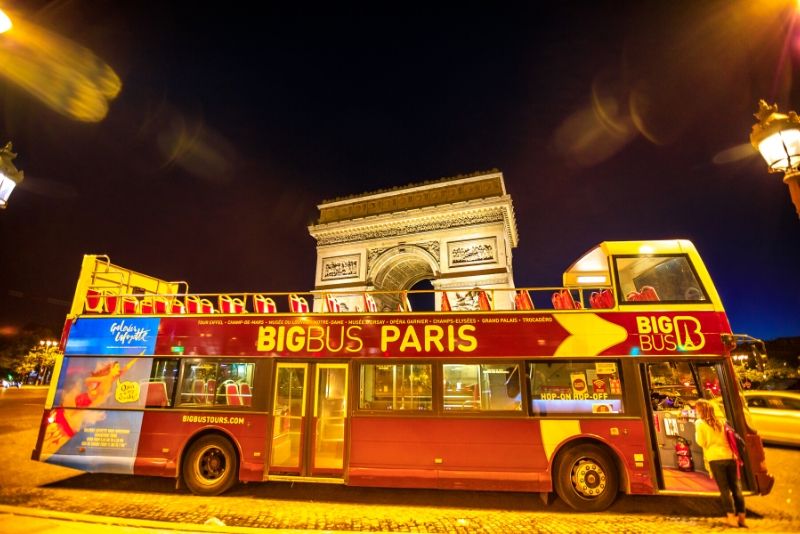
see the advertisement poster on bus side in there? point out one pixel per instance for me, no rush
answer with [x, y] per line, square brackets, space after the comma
[113, 336]
[79, 434]
[92, 382]
[93, 440]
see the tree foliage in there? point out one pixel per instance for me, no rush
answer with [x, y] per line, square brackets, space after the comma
[22, 352]
[39, 359]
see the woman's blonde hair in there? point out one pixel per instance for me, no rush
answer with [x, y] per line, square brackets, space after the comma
[705, 411]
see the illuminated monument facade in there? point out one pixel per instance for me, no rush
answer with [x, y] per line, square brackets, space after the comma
[458, 233]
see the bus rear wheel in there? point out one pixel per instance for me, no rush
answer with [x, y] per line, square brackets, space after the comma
[586, 478]
[210, 466]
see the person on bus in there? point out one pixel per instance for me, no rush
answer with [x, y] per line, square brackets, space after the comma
[720, 460]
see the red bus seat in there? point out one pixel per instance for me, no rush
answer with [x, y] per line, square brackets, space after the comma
[297, 304]
[129, 304]
[332, 305]
[198, 390]
[646, 294]
[483, 301]
[602, 299]
[369, 303]
[563, 300]
[195, 304]
[176, 306]
[262, 304]
[94, 301]
[232, 394]
[445, 306]
[157, 395]
[245, 393]
[211, 391]
[110, 301]
[147, 305]
[192, 304]
[228, 304]
[162, 305]
[522, 300]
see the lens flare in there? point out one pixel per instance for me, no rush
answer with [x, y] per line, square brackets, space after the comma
[65, 76]
[5, 22]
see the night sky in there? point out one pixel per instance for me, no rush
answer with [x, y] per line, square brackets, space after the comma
[610, 121]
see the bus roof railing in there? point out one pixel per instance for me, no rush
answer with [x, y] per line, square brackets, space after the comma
[100, 300]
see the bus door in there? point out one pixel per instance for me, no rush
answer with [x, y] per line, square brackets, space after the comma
[310, 416]
[674, 386]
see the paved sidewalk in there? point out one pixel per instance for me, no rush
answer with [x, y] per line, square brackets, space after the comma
[323, 517]
[20, 520]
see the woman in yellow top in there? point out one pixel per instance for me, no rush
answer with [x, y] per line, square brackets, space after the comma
[710, 435]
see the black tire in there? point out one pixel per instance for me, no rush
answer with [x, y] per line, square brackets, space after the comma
[586, 478]
[210, 466]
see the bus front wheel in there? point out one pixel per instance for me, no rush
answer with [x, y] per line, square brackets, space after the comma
[210, 466]
[586, 478]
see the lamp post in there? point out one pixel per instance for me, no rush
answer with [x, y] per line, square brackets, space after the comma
[9, 175]
[777, 137]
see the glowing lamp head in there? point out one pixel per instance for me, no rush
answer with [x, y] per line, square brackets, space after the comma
[777, 137]
[9, 175]
[5, 22]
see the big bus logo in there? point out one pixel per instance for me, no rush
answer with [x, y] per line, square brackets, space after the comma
[664, 333]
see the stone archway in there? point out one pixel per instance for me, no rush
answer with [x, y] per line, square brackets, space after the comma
[397, 269]
[458, 232]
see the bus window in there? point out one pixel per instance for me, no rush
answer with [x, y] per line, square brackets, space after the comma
[476, 387]
[559, 387]
[216, 382]
[672, 386]
[658, 279]
[395, 387]
[161, 386]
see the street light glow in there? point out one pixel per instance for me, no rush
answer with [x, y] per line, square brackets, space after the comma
[5, 22]
[777, 137]
[64, 75]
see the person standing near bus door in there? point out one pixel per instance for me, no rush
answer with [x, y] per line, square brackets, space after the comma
[717, 454]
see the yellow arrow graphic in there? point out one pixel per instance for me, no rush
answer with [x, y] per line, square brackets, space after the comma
[589, 335]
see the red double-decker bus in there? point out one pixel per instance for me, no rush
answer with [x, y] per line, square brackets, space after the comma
[586, 389]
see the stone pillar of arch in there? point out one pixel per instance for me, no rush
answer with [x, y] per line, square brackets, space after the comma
[456, 232]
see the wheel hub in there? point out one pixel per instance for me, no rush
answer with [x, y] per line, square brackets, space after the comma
[212, 464]
[588, 478]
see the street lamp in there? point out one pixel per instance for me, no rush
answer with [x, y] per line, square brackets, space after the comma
[9, 175]
[777, 137]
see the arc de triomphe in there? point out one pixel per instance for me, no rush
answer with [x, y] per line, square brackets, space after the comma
[456, 232]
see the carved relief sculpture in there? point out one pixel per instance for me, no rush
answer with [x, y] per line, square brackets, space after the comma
[472, 252]
[340, 267]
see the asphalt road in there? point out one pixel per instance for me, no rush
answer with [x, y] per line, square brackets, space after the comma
[313, 506]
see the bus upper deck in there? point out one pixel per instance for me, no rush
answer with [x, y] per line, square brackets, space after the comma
[612, 275]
